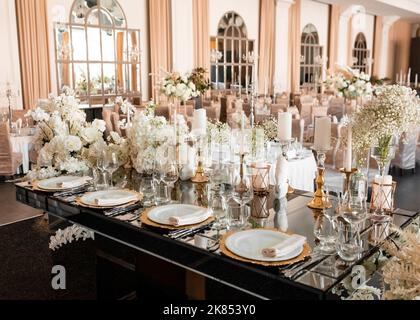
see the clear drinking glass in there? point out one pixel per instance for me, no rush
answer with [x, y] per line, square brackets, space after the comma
[111, 165]
[101, 164]
[170, 176]
[243, 193]
[218, 207]
[234, 218]
[325, 230]
[99, 179]
[148, 189]
[349, 244]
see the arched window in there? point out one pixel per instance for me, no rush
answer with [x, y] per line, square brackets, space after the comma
[311, 58]
[231, 59]
[361, 54]
[97, 55]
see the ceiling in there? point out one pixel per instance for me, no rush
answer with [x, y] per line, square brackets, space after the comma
[406, 9]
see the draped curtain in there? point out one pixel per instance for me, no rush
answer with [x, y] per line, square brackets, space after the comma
[400, 42]
[377, 46]
[295, 43]
[334, 32]
[201, 34]
[267, 44]
[160, 35]
[31, 16]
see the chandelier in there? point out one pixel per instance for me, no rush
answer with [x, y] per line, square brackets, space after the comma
[215, 56]
[250, 57]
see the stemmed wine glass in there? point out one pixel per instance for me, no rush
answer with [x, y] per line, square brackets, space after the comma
[111, 165]
[169, 175]
[101, 164]
[243, 194]
[219, 210]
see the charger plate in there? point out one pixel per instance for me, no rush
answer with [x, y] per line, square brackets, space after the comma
[92, 206]
[225, 251]
[144, 218]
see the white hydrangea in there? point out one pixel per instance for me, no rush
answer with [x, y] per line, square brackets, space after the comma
[73, 144]
[38, 115]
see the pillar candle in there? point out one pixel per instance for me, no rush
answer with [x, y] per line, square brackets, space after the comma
[322, 140]
[199, 125]
[349, 162]
[409, 77]
[285, 126]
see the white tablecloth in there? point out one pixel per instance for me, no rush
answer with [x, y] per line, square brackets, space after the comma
[302, 172]
[22, 144]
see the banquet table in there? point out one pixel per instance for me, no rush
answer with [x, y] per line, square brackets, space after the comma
[181, 268]
[22, 144]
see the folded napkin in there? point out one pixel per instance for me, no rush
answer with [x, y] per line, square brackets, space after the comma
[71, 184]
[116, 201]
[193, 218]
[285, 247]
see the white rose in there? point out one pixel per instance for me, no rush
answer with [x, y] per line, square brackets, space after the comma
[91, 134]
[99, 124]
[73, 143]
[352, 88]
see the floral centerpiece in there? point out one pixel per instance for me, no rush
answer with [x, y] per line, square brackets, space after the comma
[177, 86]
[201, 82]
[150, 138]
[270, 127]
[392, 113]
[350, 83]
[63, 137]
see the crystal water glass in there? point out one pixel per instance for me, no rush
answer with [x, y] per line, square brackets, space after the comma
[219, 209]
[101, 165]
[111, 165]
[325, 231]
[243, 194]
[170, 176]
[148, 189]
[349, 244]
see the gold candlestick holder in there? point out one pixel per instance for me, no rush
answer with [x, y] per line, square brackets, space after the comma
[320, 200]
[199, 174]
[348, 178]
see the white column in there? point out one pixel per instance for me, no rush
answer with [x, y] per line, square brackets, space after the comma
[282, 72]
[182, 35]
[387, 23]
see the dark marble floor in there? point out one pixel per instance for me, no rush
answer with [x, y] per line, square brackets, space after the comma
[26, 261]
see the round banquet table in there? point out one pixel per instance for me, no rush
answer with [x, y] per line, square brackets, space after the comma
[22, 144]
[302, 171]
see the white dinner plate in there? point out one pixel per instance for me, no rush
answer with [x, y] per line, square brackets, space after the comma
[162, 214]
[53, 183]
[250, 243]
[119, 198]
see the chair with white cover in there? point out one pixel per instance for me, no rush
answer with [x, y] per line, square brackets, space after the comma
[213, 111]
[405, 158]
[298, 129]
[335, 156]
[319, 112]
[306, 112]
[10, 162]
[276, 108]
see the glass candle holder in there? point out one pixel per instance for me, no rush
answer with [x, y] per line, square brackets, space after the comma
[261, 178]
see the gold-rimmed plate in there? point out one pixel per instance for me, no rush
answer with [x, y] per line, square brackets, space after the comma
[306, 251]
[144, 218]
[120, 198]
